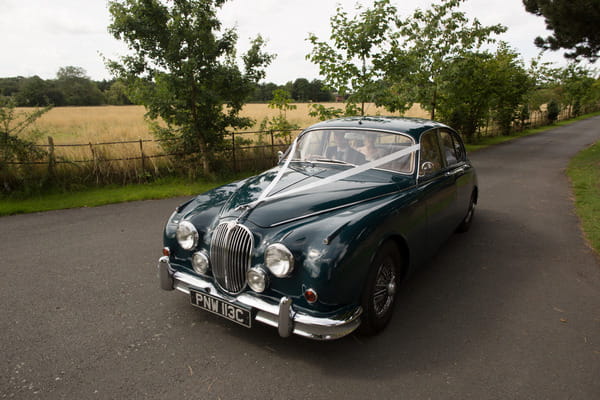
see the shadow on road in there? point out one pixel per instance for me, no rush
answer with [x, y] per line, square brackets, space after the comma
[442, 314]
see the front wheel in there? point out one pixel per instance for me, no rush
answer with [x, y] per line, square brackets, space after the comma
[381, 289]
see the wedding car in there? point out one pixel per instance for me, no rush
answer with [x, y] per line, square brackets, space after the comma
[318, 245]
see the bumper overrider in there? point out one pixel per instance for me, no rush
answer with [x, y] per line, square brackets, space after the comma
[280, 315]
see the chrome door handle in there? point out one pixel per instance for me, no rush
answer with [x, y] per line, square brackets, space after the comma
[455, 171]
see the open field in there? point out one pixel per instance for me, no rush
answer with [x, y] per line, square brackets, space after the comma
[121, 123]
[85, 125]
[85, 146]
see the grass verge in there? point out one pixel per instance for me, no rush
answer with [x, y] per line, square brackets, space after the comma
[164, 188]
[493, 140]
[584, 172]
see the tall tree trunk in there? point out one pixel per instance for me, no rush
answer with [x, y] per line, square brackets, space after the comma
[204, 154]
[434, 103]
[364, 72]
[206, 165]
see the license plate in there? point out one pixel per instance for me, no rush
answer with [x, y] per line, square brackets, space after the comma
[222, 308]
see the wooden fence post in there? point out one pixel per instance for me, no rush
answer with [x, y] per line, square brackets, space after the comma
[233, 151]
[51, 158]
[272, 145]
[143, 157]
[95, 163]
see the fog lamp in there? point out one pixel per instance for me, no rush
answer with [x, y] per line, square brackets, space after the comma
[200, 262]
[257, 279]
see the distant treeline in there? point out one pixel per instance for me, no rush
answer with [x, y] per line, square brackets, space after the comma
[72, 87]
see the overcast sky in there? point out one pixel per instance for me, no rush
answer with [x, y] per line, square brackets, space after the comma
[37, 37]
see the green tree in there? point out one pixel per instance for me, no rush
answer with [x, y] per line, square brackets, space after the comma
[33, 92]
[263, 92]
[479, 86]
[17, 141]
[553, 111]
[579, 88]
[318, 91]
[545, 84]
[352, 62]
[183, 69]
[301, 90]
[10, 86]
[279, 124]
[466, 92]
[76, 87]
[574, 24]
[116, 94]
[428, 42]
[510, 85]
[324, 113]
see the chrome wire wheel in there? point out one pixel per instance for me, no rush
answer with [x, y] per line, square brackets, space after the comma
[381, 289]
[385, 287]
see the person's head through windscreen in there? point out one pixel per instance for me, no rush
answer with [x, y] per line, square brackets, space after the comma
[340, 140]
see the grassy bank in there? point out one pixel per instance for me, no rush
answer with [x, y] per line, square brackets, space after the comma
[584, 172]
[93, 197]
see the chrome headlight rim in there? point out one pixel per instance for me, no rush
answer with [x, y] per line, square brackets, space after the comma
[200, 262]
[262, 283]
[279, 260]
[187, 235]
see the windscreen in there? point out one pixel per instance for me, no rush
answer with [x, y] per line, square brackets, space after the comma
[355, 147]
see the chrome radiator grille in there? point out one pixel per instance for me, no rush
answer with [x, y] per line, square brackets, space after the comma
[230, 255]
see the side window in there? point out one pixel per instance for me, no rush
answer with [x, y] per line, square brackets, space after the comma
[448, 148]
[431, 158]
[459, 148]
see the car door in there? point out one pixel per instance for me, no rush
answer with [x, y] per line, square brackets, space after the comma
[437, 188]
[459, 170]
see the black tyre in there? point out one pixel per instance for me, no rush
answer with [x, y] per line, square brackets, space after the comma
[465, 225]
[381, 289]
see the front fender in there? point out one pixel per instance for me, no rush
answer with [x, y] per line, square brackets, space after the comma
[334, 252]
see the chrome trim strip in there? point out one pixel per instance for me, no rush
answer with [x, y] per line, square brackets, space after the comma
[270, 312]
[358, 128]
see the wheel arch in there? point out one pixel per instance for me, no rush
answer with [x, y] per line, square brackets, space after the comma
[403, 249]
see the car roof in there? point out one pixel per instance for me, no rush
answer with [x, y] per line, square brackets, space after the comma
[410, 126]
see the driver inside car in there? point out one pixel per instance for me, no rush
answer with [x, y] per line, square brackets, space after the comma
[343, 151]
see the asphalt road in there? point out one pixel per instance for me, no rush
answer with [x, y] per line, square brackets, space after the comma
[510, 310]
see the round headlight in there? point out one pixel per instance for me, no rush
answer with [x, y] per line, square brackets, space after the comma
[187, 235]
[257, 279]
[200, 262]
[279, 260]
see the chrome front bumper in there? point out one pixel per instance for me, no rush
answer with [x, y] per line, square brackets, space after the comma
[279, 315]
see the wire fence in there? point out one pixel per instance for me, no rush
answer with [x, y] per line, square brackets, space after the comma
[134, 161]
[230, 146]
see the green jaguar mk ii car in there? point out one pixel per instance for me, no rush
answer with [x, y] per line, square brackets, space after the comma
[318, 245]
